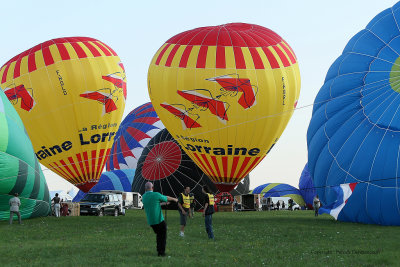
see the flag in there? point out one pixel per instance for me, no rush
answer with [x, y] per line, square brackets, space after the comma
[343, 192]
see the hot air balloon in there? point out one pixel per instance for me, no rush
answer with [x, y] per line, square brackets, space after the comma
[133, 134]
[113, 180]
[168, 167]
[70, 93]
[354, 133]
[20, 171]
[306, 187]
[279, 190]
[225, 93]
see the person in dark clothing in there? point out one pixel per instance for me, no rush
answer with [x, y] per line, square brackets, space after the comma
[57, 201]
[155, 218]
[208, 211]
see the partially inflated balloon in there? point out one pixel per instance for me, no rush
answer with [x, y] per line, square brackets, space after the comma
[226, 93]
[133, 134]
[20, 171]
[354, 133]
[279, 190]
[70, 93]
[168, 167]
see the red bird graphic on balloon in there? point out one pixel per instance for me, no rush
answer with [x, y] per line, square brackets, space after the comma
[232, 86]
[106, 96]
[21, 93]
[180, 111]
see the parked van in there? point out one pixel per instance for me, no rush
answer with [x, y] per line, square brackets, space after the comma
[130, 200]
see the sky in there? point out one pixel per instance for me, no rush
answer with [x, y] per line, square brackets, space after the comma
[316, 30]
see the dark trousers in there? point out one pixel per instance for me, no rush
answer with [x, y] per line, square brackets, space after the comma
[209, 228]
[161, 232]
[316, 211]
[12, 215]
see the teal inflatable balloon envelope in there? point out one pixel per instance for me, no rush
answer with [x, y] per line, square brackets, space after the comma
[20, 171]
[354, 132]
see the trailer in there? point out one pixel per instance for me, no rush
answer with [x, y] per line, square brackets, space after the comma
[247, 202]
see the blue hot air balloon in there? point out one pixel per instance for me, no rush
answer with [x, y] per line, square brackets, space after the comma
[354, 132]
[306, 187]
[133, 134]
[113, 180]
[279, 190]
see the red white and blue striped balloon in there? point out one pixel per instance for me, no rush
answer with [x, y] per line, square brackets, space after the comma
[134, 133]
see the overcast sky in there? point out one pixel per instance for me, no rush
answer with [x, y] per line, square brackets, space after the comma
[316, 30]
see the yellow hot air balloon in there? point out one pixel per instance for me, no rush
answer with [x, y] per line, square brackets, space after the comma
[70, 93]
[226, 93]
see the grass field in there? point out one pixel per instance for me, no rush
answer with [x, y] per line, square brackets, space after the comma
[274, 238]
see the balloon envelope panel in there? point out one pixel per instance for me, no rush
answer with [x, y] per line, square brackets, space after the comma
[113, 180]
[216, 88]
[20, 171]
[70, 93]
[279, 190]
[306, 187]
[354, 132]
[133, 134]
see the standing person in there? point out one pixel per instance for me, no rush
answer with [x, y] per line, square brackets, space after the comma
[208, 211]
[316, 205]
[191, 214]
[183, 208]
[155, 218]
[14, 208]
[57, 202]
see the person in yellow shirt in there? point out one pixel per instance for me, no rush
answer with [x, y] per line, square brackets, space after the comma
[183, 208]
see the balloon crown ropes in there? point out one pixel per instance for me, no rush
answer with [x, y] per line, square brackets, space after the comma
[70, 93]
[227, 93]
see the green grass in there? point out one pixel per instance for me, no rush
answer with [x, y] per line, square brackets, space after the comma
[274, 238]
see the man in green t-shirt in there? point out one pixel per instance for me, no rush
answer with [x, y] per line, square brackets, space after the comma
[155, 218]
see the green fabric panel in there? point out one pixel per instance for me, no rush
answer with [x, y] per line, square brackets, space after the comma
[3, 132]
[36, 182]
[29, 183]
[9, 167]
[19, 145]
[21, 179]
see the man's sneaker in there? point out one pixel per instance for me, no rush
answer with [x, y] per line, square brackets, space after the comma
[161, 255]
[182, 234]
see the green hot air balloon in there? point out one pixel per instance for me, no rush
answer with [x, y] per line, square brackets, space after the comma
[19, 168]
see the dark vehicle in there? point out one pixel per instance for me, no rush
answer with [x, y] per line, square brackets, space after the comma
[101, 204]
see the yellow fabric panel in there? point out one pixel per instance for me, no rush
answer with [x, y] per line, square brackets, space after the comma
[39, 60]
[192, 61]
[248, 58]
[230, 58]
[264, 58]
[178, 55]
[211, 57]
[165, 56]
